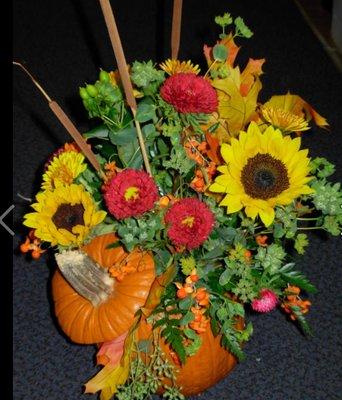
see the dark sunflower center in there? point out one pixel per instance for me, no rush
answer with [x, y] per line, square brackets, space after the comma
[264, 177]
[68, 216]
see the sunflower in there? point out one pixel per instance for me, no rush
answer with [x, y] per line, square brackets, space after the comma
[263, 170]
[63, 169]
[284, 120]
[172, 67]
[64, 215]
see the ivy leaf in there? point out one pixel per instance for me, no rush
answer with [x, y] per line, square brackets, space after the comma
[145, 112]
[123, 137]
[99, 132]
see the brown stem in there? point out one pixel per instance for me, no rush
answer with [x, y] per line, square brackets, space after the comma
[124, 74]
[176, 28]
[66, 122]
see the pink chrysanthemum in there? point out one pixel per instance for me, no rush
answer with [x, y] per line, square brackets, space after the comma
[190, 223]
[130, 193]
[266, 302]
[189, 93]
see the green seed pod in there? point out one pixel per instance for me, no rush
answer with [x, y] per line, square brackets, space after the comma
[92, 91]
[104, 76]
[83, 93]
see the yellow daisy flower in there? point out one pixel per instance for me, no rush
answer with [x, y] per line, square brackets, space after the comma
[63, 169]
[172, 67]
[262, 170]
[64, 215]
[284, 120]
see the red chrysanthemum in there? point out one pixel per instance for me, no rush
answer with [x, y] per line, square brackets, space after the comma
[130, 193]
[190, 223]
[266, 302]
[189, 93]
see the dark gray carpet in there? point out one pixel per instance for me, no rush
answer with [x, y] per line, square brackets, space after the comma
[64, 44]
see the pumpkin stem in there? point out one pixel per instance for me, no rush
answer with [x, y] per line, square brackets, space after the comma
[85, 276]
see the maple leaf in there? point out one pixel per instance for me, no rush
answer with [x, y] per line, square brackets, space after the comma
[112, 351]
[232, 48]
[252, 69]
[116, 370]
[237, 108]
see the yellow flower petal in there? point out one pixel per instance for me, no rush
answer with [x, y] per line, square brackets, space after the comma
[267, 216]
[232, 203]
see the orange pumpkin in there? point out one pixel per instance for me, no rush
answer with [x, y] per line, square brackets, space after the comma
[204, 369]
[85, 323]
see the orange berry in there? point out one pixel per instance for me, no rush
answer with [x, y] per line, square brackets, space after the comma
[36, 254]
[181, 293]
[25, 247]
[198, 317]
[248, 254]
[293, 289]
[194, 278]
[200, 295]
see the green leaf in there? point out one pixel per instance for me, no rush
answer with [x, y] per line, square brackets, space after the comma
[242, 29]
[162, 260]
[223, 20]
[99, 132]
[196, 342]
[225, 277]
[130, 155]
[123, 137]
[145, 112]
[220, 52]
[222, 313]
[296, 278]
[186, 303]
[301, 242]
[188, 317]
[301, 320]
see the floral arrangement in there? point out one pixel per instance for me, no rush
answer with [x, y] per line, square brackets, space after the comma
[158, 267]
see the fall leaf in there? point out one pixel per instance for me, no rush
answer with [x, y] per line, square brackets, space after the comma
[232, 48]
[112, 351]
[296, 105]
[252, 69]
[157, 289]
[233, 107]
[213, 151]
[113, 375]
